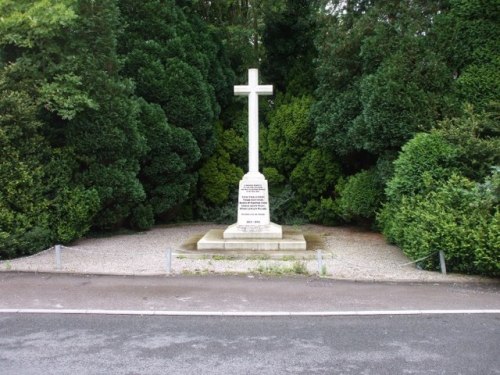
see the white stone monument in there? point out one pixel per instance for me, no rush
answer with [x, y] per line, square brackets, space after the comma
[253, 198]
[253, 230]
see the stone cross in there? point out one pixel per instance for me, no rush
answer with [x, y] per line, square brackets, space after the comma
[253, 90]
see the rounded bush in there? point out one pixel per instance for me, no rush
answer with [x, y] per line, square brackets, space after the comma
[459, 217]
[425, 153]
[360, 196]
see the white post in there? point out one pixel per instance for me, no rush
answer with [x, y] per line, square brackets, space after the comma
[442, 262]
[168, 260]
[319, 257]
[58, 257]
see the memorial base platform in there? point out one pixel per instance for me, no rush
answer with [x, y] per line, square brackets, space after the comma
[215, 240]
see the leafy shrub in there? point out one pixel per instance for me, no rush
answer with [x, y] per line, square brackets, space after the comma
[222, 214]
[360, 196]
[24, 241]
[487, 260]
[142, 217]
[273, 176]
[285, 207]
[325, 211]
[405, 95]
[31, 241]
[477, 139]
[315, 175]
[23, 204]
[72, 212]
[166, 167]
[218, 177]
[289, 134]
[425, 153]
[458, 216]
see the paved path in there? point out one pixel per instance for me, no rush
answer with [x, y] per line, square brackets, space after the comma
[236, 294]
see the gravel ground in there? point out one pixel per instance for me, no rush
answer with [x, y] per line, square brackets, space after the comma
[349, 254]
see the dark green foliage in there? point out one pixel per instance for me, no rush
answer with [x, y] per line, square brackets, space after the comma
[289, 135]
[80, 149]
[467, 34]
[315, 175]
[106, 142]
[458, 217]
[219, 177]
[406, 95]
[487, 257]
[241, 25]
[300, 175]
[467, 145]
[71, 213]
[187, 101]
[27, 24]
[178, 63]
[477, 139]
[380, 80]
[312, 180]
[23, 207]
[360, 196]
[273, 176]
[72, 206]
[223, 214]
[85, 107]
[285, 207]
[142, 217]
[333, 115]
[65, 96]
[166, 167]
[425, 156]
[325, 211]
[39, 205]
[432, 207]
[77, 143]
[288, 38]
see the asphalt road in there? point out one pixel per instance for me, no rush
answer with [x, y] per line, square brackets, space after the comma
[97, 344]
[235, 293]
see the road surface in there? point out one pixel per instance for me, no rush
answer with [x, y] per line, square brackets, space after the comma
[97, 344]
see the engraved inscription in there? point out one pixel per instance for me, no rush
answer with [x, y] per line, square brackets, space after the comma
[253, 205]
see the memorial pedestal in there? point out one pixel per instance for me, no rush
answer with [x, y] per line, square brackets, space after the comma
[253, 211]
[213, 241]
[254, 230]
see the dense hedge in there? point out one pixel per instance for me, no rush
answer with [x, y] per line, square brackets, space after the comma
[431, 204]
[457, 216]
